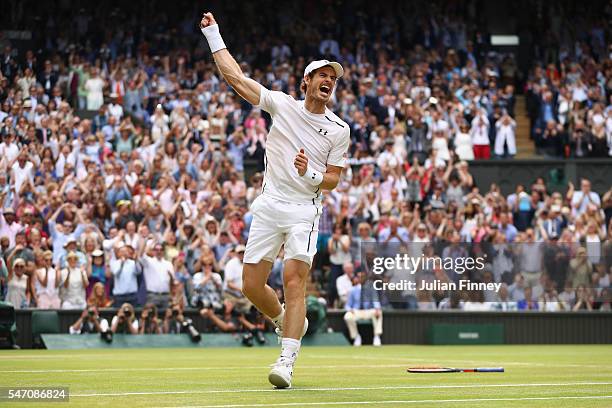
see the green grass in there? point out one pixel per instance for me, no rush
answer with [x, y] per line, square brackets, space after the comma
[330, 376]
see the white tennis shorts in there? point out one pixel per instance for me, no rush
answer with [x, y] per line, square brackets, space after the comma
[278, 222]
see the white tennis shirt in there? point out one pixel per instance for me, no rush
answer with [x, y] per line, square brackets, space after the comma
[324, 137]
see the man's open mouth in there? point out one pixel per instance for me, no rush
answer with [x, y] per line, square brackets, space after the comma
[325, 89]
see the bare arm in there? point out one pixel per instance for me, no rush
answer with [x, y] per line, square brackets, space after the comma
[229, 68]
[331, 177]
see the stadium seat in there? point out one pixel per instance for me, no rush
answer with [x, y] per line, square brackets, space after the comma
[44, 322]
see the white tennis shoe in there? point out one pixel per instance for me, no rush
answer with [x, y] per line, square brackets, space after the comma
[282, 372]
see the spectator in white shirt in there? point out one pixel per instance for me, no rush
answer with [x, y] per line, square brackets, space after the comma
[505, 134]
[480, 136]
[232, 282]
[114, 108]
[22, 171]
[344, 283]
[9, 225]
[9, 149]
[581, 199]
[388, 159]
[159, 274]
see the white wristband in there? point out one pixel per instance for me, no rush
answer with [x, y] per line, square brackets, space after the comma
[313, 177]
[213, 36]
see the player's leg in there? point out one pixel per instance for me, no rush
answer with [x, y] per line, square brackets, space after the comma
[294, 281]
[254, 287]
[265, 240]
[300, 249]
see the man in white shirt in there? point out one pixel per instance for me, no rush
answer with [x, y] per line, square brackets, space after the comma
[344, 283]
[8, 148]
[22, 171]
[114, 108]
[305, 154]
[159, 274]
[232, 282]
[9, 225]
[581, 199]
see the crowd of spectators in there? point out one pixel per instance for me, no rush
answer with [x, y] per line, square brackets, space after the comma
[568, 90]
[122, 157]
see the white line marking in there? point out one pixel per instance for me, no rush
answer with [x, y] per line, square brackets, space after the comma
[103, 370]
[399, 387]
[427, 401]
[477, 362]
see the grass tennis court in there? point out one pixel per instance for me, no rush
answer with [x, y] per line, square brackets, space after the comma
[536, 376]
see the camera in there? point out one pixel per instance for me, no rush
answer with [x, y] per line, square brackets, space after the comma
[127, 311]
[107, 336]
[175, 312]
[194, 334]
[247, 340]
[90, 312]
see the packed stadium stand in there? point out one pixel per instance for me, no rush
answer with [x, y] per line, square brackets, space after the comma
[128, 165]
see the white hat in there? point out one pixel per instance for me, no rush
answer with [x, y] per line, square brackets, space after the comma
[314, 65]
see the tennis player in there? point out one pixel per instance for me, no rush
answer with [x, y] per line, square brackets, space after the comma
[305, 154]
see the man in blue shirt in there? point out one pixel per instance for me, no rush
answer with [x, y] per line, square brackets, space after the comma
[125, 273]
[506, 227]
[363, 304]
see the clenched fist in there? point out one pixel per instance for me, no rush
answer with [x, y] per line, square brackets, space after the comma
[301, 162]
[207, 20]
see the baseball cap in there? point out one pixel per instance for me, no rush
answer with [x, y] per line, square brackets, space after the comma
[314, 65]
[240, 248]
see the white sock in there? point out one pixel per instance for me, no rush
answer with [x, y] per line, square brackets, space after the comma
[278, 320]
[290, 348]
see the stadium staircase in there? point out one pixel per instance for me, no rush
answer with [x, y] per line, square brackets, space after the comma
[524, 145]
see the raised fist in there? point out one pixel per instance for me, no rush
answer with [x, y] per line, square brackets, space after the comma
[207, 20]
[301, 162]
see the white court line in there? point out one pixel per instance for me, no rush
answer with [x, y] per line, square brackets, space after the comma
[497, 363]
[104, 370]
[335, 366]
[325, 357]
[399, 387]
[427, 401]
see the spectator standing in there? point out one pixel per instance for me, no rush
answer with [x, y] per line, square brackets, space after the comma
[480, 136]
[505, 136]
[74, 283]
[159, 274]
[18, 283]
[47, 284]
[125, 279]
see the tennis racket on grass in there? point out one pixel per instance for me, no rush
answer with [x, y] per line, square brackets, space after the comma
[455, 370]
